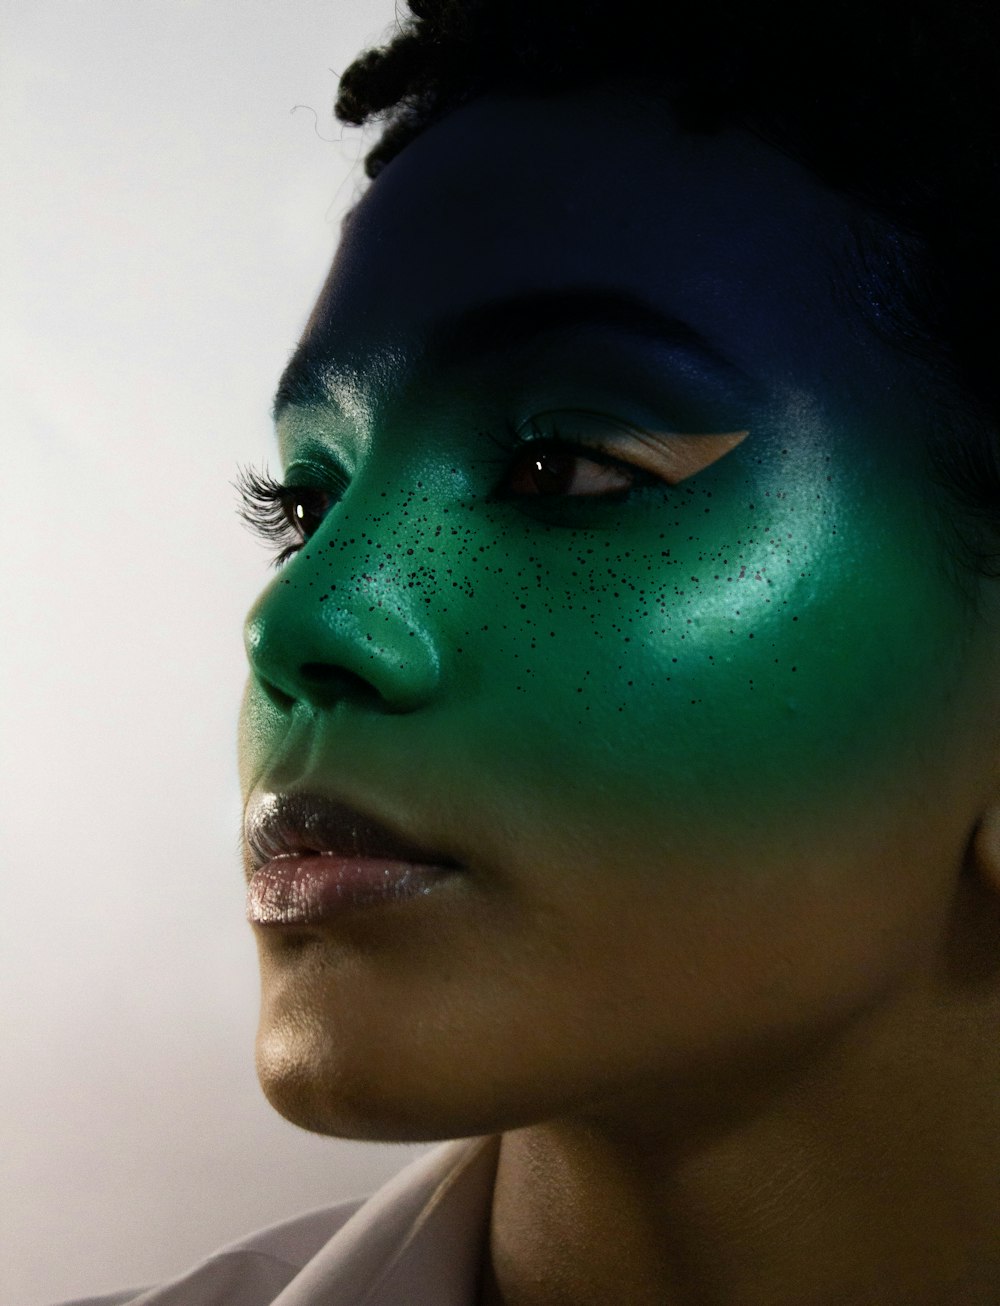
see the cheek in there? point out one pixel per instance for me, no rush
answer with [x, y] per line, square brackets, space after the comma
[758, 649]
[765, 649]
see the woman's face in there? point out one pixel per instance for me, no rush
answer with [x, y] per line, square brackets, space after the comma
[703, 716]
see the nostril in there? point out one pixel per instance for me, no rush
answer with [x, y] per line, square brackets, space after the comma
[334, 684]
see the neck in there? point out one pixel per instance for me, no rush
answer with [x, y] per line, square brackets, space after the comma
[871, 1173]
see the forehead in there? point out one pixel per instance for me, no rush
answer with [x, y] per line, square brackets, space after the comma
[512, 195]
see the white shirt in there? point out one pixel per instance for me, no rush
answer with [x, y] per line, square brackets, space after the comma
[418, 1241]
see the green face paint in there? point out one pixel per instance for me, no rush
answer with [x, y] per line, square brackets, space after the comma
[682, 722]
[682, 648]
[749, 644]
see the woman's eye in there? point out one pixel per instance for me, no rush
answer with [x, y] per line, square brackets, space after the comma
[550, 468]
[283, 515]
[305, 509]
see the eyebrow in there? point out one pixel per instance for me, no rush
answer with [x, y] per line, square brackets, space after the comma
[499, 325]
[303, 383]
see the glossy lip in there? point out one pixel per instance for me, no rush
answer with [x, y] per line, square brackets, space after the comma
[283, 824]
[311, 857]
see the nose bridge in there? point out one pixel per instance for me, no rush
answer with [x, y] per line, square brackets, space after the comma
[352, 608]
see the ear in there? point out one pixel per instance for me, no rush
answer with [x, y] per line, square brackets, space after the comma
[985, 849]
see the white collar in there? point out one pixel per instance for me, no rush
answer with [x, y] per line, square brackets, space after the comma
[418, 1241]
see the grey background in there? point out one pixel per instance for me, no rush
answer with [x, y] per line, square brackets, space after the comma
[167, 217]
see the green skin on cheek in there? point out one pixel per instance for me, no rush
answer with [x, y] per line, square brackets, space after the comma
[772, 638]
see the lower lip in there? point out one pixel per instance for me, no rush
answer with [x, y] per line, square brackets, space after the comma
[304, 890]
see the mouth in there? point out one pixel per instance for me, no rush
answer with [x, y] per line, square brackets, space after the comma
[309, 857]
[300, 824]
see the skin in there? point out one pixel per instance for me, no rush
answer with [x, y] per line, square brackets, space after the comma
[720, 755]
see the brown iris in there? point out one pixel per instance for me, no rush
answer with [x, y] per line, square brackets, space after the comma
[550, 469]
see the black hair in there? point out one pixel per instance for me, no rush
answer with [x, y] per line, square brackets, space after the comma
[887, 101]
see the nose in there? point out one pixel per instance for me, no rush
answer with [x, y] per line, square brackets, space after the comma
[340, 623]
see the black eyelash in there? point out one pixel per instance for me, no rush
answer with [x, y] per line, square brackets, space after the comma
[512, 439]
[264, 508]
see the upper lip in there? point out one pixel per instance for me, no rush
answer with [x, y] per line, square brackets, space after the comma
[284, 824]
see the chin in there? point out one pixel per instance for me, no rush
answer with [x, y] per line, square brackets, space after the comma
[348, 1049]
[327, 1089]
